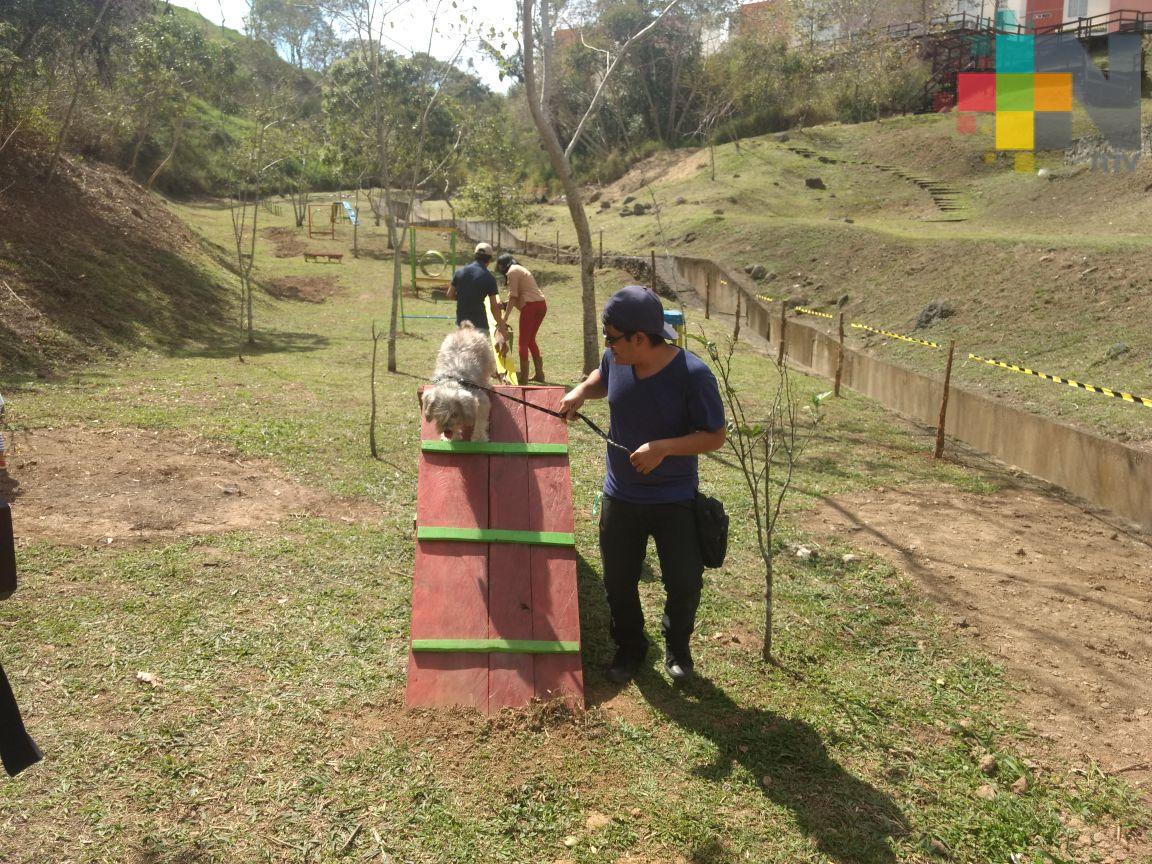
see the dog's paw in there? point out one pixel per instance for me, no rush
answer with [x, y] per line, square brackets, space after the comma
[480, 435]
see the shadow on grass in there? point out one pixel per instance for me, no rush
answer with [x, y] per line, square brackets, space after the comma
[849, 820]
[9, 487]
[267, 342]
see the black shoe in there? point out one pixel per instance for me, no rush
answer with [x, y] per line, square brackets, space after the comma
[679, 664]
[626, 664]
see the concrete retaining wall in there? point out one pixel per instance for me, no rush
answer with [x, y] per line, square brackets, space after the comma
[1106, 473]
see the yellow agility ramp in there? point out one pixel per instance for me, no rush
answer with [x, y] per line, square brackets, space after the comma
[506, 366]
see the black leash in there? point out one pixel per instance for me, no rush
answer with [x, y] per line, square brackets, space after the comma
[560, 414]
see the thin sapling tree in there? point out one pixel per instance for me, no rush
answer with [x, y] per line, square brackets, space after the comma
[767, 450]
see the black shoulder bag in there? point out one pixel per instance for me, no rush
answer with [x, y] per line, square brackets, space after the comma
[712, 528]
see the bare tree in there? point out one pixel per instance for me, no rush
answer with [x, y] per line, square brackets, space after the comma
[77, 87]
[766, 451]
[539, 103]
[247, 192]
[368, 21]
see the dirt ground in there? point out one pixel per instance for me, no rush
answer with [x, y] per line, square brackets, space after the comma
[87, 487]
[1062, 596]
[287, 241]
[309, 289]
[667, 165]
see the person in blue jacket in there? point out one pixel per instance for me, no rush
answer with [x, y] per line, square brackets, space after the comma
[473, 286]
[665, 407]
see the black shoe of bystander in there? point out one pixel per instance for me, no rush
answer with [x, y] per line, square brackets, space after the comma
[626, 664]
[679, 664]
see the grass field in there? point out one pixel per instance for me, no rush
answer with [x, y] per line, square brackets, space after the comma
[278, 732]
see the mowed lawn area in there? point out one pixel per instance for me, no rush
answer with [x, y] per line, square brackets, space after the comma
[273, 728]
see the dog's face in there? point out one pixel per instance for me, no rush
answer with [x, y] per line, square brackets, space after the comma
[450, 408]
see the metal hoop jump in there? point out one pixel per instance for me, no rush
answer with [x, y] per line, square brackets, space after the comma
[428, 259]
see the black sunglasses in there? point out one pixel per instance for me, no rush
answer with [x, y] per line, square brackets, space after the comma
[612, 340]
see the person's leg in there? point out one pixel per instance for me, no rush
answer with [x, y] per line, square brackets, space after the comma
[523, 347]
[531, 316]
[623, 541]
[682, 570]
[17, 749]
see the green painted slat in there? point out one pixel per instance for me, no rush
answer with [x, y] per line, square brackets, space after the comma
[494, 448]
[493, 646]
[496, 535]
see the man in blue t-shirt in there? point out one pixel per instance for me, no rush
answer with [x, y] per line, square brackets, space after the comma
[471, 287]
[666, 408]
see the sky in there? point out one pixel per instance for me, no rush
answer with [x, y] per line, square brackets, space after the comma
[411, 25]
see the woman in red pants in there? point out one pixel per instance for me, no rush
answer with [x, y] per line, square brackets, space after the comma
[524, 294]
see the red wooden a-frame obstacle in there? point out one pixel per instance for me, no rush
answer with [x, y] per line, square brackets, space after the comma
[495, 615]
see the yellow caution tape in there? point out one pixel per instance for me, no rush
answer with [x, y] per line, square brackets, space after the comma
[1115, 394]
[806, 311]
[1091, 388]
[896, 336]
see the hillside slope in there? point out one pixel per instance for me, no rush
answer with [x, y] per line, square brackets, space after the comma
[1053, 273]
[93, 266]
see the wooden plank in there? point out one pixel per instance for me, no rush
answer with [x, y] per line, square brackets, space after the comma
[556, 615]
[452, 490]
[556, 610]
[449, 601]
[450, 582]
[493, 646]
[510, 678]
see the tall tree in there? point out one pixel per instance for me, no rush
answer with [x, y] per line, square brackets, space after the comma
[399, 117]
[495, 188]
[301, 31]
[170, 65]
[539, 102]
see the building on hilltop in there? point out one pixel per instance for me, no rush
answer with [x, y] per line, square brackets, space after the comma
[791, 20]
[1097, 16]
[767, 18]
[787, 19]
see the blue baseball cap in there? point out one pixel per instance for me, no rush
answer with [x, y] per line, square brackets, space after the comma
[635, 309]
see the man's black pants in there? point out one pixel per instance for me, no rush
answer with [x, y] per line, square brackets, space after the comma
[624, 532]
[17, 749]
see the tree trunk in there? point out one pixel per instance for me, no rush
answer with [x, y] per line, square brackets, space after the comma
[75, 92]
[766, 650]
[64, 126]
[177, 129]
[145, 129]
[251, 261]
[372, 420]
[766, 544]
[575, 206]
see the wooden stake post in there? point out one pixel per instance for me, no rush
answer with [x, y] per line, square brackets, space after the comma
[601, 248]
[944, 401]
[783, 331]
[707, 297]
[840, 358]
[653, 274]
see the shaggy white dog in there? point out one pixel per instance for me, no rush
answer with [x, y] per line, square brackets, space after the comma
[465, 356]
